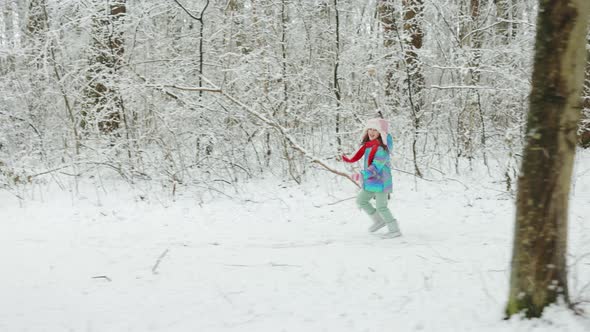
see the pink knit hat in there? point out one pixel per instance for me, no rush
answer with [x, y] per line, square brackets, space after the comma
[381, 125]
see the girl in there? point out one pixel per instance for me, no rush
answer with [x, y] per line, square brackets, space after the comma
[375, 178]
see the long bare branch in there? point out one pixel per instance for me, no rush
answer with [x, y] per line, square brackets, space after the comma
[282, 130]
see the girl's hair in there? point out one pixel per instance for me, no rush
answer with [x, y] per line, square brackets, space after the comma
[383, 145]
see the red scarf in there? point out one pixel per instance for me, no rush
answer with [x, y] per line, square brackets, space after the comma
[373, 145]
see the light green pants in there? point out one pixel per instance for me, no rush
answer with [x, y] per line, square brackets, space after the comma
[363, 198]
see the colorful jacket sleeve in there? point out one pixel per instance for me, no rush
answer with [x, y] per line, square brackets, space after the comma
[389, 142]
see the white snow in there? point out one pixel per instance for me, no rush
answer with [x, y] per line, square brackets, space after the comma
[274, 257]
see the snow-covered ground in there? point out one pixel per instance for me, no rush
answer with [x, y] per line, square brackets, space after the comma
[274, 257]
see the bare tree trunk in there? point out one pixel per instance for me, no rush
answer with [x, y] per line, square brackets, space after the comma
[285, 80]
[292, 168]
[539, 270]
[505, 13]
[8, 63]
[584, 135]
[36, 29]
[201, 35]
[413, 13]
[103, 100]
[35, 38]
[386, 12]
[237, 38]
[201, 50]
[471, 116]
[336, 83]
[37, 21]
[284, 105]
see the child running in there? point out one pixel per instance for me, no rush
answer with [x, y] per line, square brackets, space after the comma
[375, 178]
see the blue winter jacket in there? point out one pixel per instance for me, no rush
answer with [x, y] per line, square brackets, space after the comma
[377, 176]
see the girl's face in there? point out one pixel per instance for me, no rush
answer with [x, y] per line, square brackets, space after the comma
[373, 133]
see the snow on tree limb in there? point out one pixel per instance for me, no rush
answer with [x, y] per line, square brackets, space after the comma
[282, 130]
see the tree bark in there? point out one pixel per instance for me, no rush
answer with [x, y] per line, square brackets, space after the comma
[505, 14]
[201, 36]
[413, 14]
[471, 116]
[37, 20]
[539, 275]
[584, 136]
[102, 97]
[8, 36]
[386, 12]
[336, 83]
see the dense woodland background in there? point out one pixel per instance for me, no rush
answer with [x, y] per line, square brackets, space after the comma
[205, 95]
[165, 90]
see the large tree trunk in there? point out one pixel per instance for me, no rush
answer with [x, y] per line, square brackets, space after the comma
[37, 20]
[584, 137]
[539, 275]
[103, 100]
[386, 12]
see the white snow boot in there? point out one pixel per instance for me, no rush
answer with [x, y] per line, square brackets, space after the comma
[393, 231]
[378, 222]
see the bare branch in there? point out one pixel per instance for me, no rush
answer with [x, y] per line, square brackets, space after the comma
[155, 268]
[284, 132]
[200, 17]
[184, 88]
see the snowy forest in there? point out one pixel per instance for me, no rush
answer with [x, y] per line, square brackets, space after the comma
[133, 87]
[151, 100]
